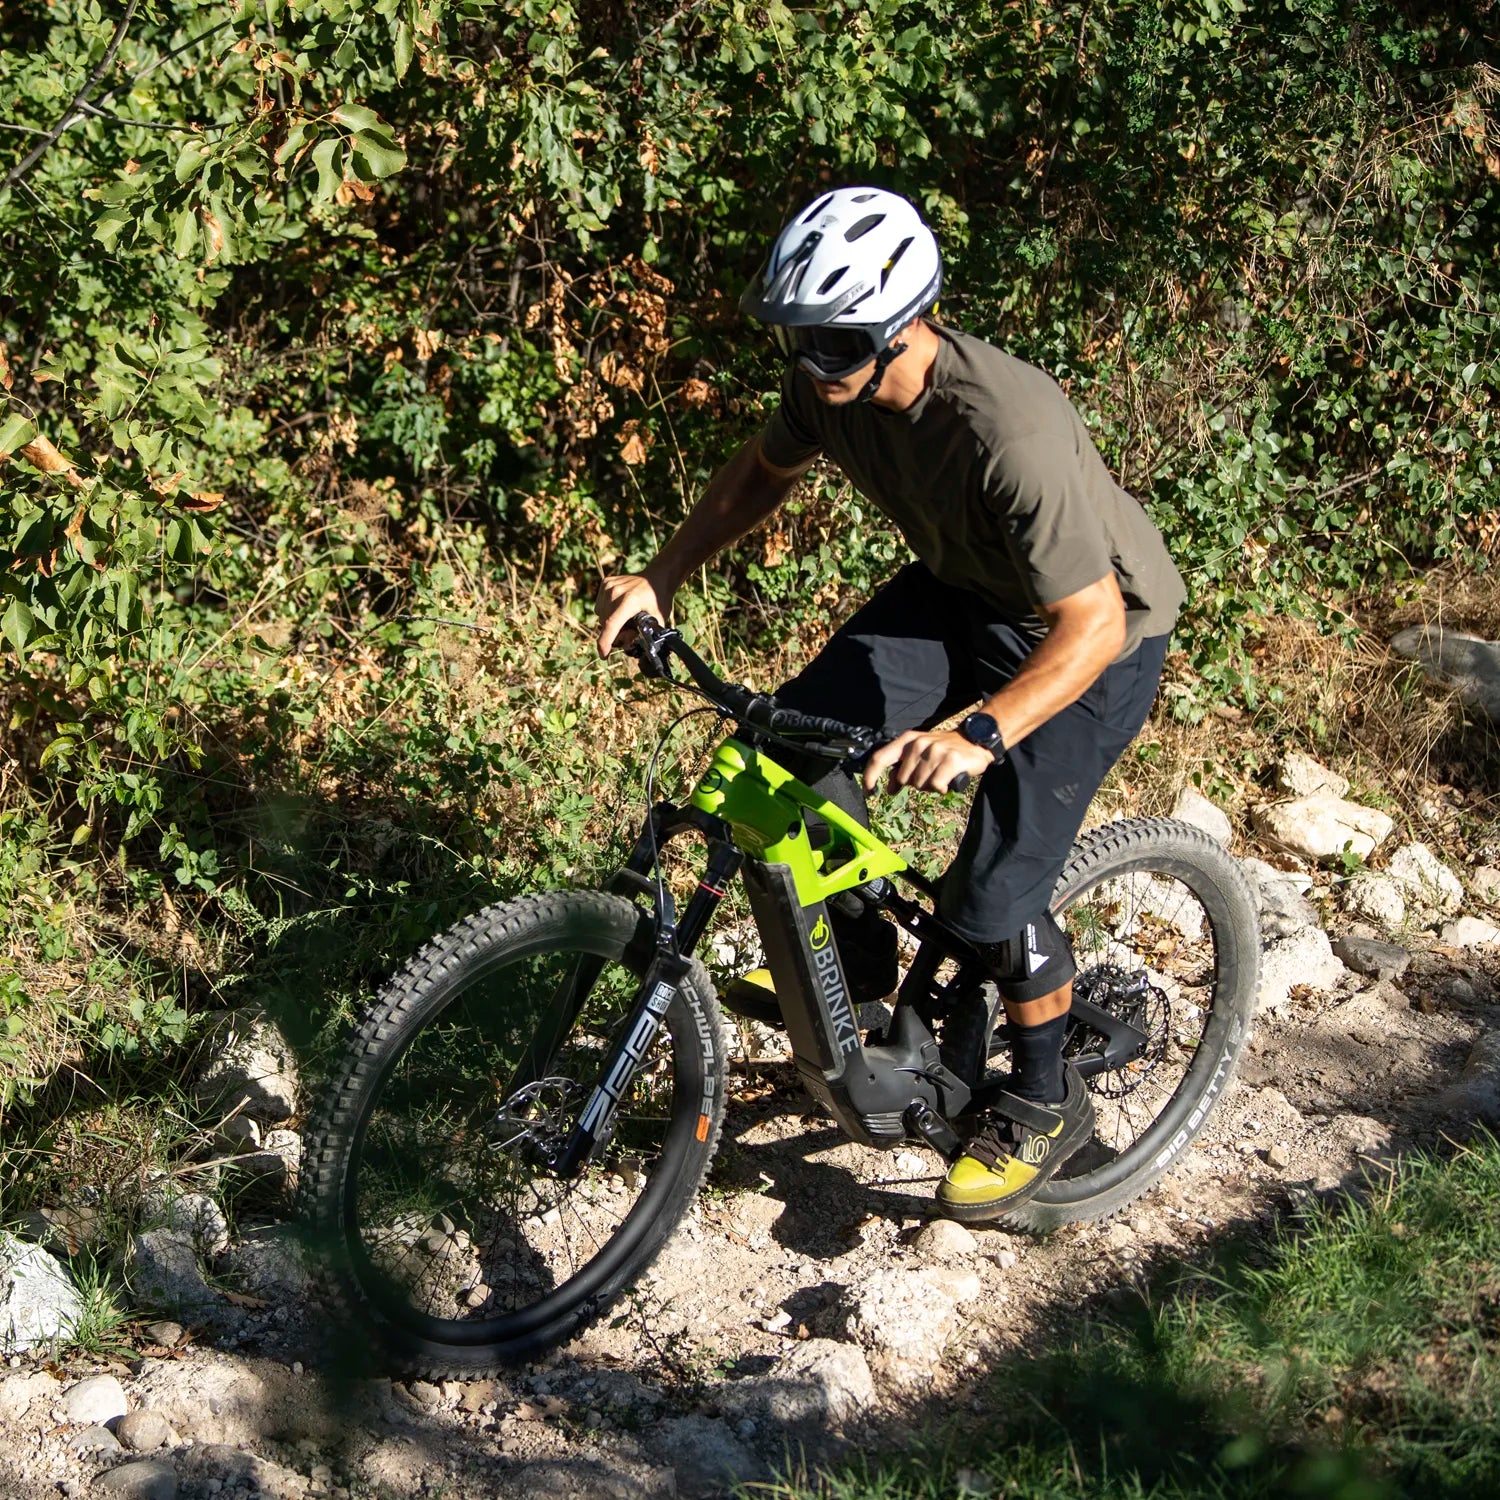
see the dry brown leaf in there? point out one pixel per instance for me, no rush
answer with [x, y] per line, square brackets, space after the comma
[695, 393]
[5, 376]
[202, 500]
[215, 235]
[633, 450]
[41, 452]
[243, 1299]
[166, 488]
[427, 340]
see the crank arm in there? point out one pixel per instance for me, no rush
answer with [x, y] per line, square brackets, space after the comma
[1123, 1042]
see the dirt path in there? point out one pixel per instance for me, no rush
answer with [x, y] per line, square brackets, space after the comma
[801, 1304]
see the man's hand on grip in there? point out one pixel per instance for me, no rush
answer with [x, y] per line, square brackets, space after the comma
[622, 596]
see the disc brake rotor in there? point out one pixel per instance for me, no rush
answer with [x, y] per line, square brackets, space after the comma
[1132, 998]
[536, 1120]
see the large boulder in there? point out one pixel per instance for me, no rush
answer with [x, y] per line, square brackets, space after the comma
[818, 1383]
[1476, 1095]
[1284, 907]
[708, 1457]
[1193, 807]
[1377, 898]
[165, 1206]
[1431, 887]
[1470, 932]
[38, 1302]
[1301, 776]
[1322, 826]
[250, 1069]
[902, 1319]
[1304, 960]
[163, 1274]
[1469, 664]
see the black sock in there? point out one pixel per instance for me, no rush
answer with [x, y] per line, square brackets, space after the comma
[1036, 1062]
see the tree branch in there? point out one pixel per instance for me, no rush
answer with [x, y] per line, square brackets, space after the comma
[104, 114]
[74, 111]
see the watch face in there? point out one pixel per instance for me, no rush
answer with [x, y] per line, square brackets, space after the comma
[981, 729]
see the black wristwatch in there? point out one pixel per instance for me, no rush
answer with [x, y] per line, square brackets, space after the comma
[982, 730]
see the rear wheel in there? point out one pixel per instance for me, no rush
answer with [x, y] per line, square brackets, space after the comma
[429, 1182]
[1166, 936]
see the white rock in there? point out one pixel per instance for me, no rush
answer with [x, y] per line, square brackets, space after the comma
[1476, 1095]
[19, 1393]
[144, 1431]
[1284, 908]
[1377, 898]
[1485, 883]
[1322, 826]
[903, 1318]
[819, 1383]
[1302, 776]
[1430, 885]
[707, 1455]
[1304, 958]
[1467, 663]
[38, 1301]
[100, 1398]
[165, 1206]
[1193, 807]
[251, 1068]
[1470, 932]
[162, 1272]
[276, 1166]
[270, 1263]
[941, 1239]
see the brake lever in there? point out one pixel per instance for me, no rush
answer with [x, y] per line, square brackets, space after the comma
[652, 644]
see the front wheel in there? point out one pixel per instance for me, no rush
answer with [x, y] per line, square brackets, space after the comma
[1166, 936]
[428, 1183]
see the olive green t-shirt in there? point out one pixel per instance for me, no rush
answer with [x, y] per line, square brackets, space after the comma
[995, 484]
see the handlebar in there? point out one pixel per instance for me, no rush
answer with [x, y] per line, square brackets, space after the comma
[656, 645]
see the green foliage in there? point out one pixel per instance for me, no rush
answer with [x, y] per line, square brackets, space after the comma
[339, 340]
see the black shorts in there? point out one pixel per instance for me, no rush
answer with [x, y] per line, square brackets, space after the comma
[920, 652]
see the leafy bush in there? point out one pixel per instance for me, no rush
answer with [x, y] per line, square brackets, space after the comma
[338, 339]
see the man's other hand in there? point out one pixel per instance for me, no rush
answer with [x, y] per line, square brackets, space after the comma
[927, 760]
[623, 596]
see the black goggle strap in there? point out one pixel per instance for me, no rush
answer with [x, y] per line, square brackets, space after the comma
[886, 355]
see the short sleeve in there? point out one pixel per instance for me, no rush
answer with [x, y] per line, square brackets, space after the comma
[791, 436]
[1040, 487]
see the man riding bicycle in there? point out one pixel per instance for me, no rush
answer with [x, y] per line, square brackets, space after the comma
[1041, 592]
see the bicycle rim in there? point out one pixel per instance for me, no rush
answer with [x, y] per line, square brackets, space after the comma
[1164, 936]
[458, 1232]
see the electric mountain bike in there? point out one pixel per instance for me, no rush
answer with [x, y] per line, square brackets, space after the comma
[527, 1111]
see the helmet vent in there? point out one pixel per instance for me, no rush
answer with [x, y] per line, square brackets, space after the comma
[829, 282]
[817, 208]
[890, 265]
[862, 227]
[864, 197]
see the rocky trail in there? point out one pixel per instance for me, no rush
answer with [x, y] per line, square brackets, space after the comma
[812, 1300]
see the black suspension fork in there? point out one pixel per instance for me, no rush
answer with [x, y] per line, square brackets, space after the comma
[635, 878]
[658, 988]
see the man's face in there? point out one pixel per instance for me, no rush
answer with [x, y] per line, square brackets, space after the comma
[844, 390]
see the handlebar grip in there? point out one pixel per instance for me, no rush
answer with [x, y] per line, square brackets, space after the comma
[960, 782]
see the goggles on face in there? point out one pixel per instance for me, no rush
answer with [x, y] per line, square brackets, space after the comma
[826, 353]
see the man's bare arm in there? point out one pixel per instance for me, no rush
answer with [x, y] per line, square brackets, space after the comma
[739, 497]
[1085, 632]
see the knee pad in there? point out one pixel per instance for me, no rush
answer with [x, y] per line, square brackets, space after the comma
[1036, 961]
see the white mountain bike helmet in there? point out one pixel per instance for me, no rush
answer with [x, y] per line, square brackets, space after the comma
[843, 278]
